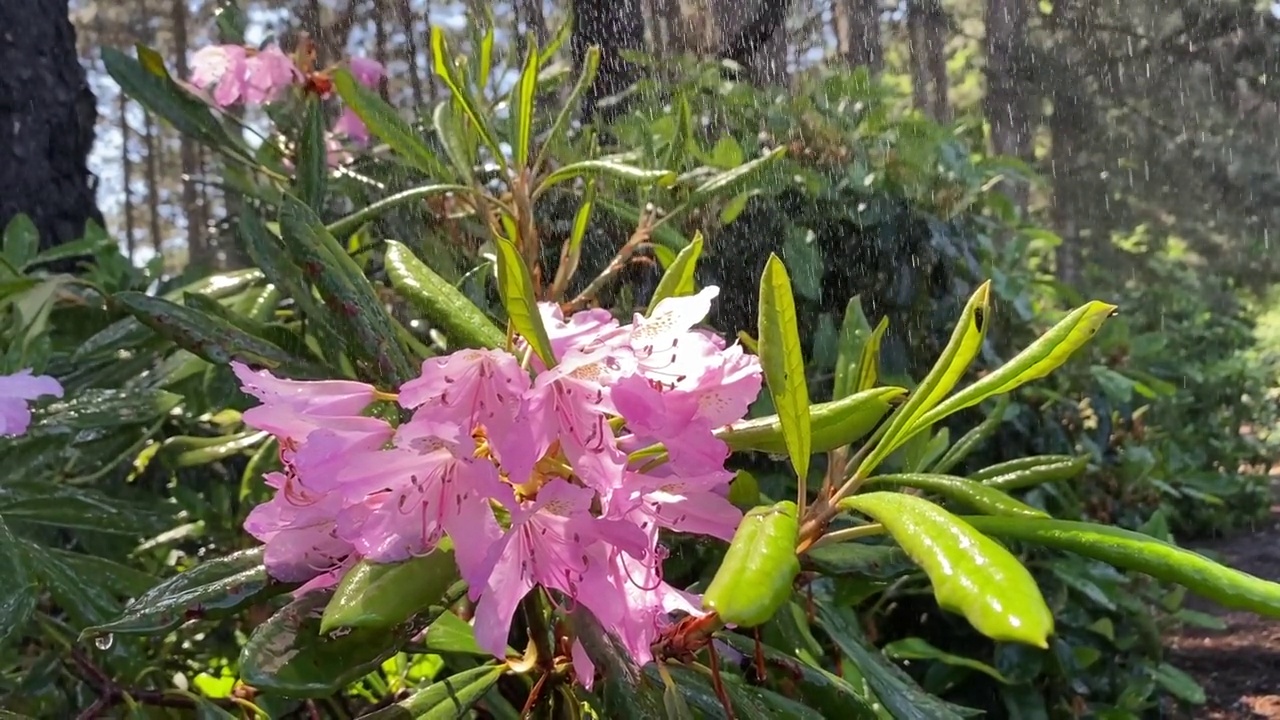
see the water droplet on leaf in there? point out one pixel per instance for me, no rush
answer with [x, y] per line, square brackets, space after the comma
[103, 642]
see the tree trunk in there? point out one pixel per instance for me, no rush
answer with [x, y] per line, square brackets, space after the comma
[534, 19]
[380, 44]
[411, 53]
[1008, 100]
[126, 171]
[927, 26]
[153, 183]
[47, 117]
[614, 26]
[200, 251]
[857, 28]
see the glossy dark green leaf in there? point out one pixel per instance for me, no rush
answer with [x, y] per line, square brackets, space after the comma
[625, 691]
[447, 699]
[914, 648]
[95, 408]
[376, 595]
[826, 692]
[972, 439]
[123, 580]
[74, 508]
[881, 562]
[355, 307]
[896, 690]
[439, 301]
[19, 591]
[313, 155]
[855, 332]
[85, 601]
[385, 123]
[288, 654]
[212, 338]
[450, 634]
[212, 589]
[972, 494]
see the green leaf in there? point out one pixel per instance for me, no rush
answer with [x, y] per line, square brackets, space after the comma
[972, 439]
[960, 351]
[213, 589]
[73, 508]
[120, 579]
[21, 241]
[448, 699]
[590, 64]
[855, 332]
[607, 168]
[869, 362]
[146, 81]
[211, 338]
[313, 156]
[975, 495]
[895, 689]
[521, 105]
[288, 654]
[374, 595]
[626, 692]
[470, 107]
[1035, 470]
[439, 301]
[19, 591]
[453, 134]
[95, 409]
[678, 280]
[355, 307]
[971, 573]
[1179, 684]
[828, 693]
[386, 124]
[449, 634]
[876, 562]
[515, 285]
[731, 181]
[1040, 358]
[832, 424]
[918, 649]
[1142, 553]
[783, 363]
[84, 600]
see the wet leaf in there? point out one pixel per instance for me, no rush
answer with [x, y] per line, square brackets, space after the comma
[975, 495]
[515, 285]
[462, 94]
[783, 362]
[918, 649]
[19, 591]
[313, 156]
[678, 280]
[613, 169]
[375, 595]
[439, 301]
[385, 123]
[855, 332]
[444, 700]
[521, 105]
[21, 241]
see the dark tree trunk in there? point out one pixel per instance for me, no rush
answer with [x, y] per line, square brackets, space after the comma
[614, 26]
[47, 117]
[1008, 102]
[857, 26]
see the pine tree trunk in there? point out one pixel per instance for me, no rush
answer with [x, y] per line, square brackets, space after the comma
[152, 179]
[201, 253]
[126, 170]
[614, 26]
[411, 53]
[47, 118]
[857, 28]
[1008, 99]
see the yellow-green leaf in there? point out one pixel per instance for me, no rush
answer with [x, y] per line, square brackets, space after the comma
[869, 363]
[521, 105]
[677, 281]
[444, 68]
[783, 362]
[855, 332]
[515, 285]
[1040, 358]
[608, 168]
[964, 345]
[971, 573]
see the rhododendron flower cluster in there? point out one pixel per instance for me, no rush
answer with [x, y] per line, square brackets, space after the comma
[237, 74]
[533, 472]
[16, 391]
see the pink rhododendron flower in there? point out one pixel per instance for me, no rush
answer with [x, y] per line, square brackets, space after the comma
[16, 391]
[550, 447]
[268, 74]
[350, 126]
[367, 72]
[238, 74]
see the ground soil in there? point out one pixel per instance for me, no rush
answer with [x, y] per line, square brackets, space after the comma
[1239, 667]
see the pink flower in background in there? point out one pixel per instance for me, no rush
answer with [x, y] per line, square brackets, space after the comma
[268, 74]
[350, 126]
[367, 72]
[549, 446]
[16, 391]
[223, 68]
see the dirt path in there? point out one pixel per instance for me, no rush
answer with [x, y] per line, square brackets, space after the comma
[1239, 667]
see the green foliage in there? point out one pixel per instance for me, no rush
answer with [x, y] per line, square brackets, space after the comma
[144, 470]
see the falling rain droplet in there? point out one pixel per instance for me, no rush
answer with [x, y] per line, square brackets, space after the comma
[103, 642]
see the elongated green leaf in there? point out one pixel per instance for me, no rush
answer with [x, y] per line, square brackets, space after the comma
[21, 241]
[313, 156]
[971, 573]
[448, 699]
[521, 104]
[146, 81]
[975, 495]
[375, 595]
[832, 425]
[677, 281]
[919, 649]
[95, 409]
[468, 104]
[972, 439]
[355, 306]
[214, 588]
[439, 301]
[614, 169]
[874, 562]
[288, 654]
[625, 692]
[855, 332]
[120, 579]
[386, 124]
[182, 451]
[19, 591]
[783, 363]
[964, 345]
[731, 181]
[590, 65]
[1040, 358]
[84, 601]
[515, 285]
[452, 131]
[211, 338]
[77, 509]
[869, 362]
[1045, 468]
[895, 689]
[572, 252]
[829, 694]
[352, 222]
[449, 634]
[1145, 554]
